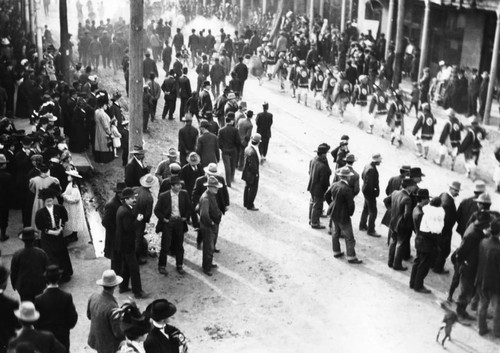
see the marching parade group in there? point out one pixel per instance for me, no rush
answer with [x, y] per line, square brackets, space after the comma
[332, 69]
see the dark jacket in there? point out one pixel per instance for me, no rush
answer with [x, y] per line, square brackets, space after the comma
[450, 213]
[340, 199]
[157, 342]
[251, 164]
[109, 223]
[57, 313]
[222, 194]
[169, 88]
[241, 70]
[264, 121]
[394, 184]
[205, 102]
[9, 322]
[207, 148]
[488, 269]
[189, 176]
[401, 212]
[319, 176]
[163, 208]
[187, 136]
[370, 187]
[217, 73]
[144, 204]
[133, 173]
[104, 334]
[184, 87]
[27, 271]
[125, 230]
[229, 138]
[464, 212]
[43, 341]
[149, 65]
[467, 254]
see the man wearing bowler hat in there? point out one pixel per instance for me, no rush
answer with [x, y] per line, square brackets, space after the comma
[42, 341]
[229, 144]
[125, 243]
[340, 199]
[187, 136]
[109, 224]
[250, 173]
[172, 209]
[105, 334]
[371, 190]
[450, 218]
[163, 338]
[57, 310]
[28, 266]
[135, 168]
[319, 181]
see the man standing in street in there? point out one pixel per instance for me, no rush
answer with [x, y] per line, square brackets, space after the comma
[205, 101]
[352, 180]
[187, 136]
[193, 45]
[241, 71]
[340, 199]
[468, 206]
[245, 126]
[185, 91]
[371, 191]
[169, 88]
[125, 243]
[319, 181]
[474, 89]
[229, 144]
[487, 283]
[217, 75]
[155, 91]
[135, 168]
[172, 209]
[207, 145]
[149, 65]
[166, 56]
[104, 334]
[250, 173]
[264, 121]
[143, 207]
[109, 224]
[210, 217]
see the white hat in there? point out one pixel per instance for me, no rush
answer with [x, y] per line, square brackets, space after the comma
[27, 312]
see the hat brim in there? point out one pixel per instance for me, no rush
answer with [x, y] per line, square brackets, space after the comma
[196, 162]
[346, 175]
[117, 281]
[209, 172]
[32, 235]
[218, 186]
[481, 201]
[76, 175]
[138, 152]
[169, 155]
[453, 187]
[26, 319]
[145, 184]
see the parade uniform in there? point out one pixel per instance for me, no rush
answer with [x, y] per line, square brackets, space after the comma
[343, 97]
[452, 133]
[302, 83]
[425, 124]
[471, 148]
[395, 120]
[378, 105]
[316, 86]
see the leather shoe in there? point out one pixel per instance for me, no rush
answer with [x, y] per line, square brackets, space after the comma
[214, 265]
[217, 251]
[123, 290]
[181, 271]
[252, 208]
[484, 332]
[374, 234]
[208, 273]
[400, 268]
[339, 255]
[465, 316]
[141, 295]
[363, 229]
[442, 272]
[163, 271]
[355, 261]
[4, 238]
[318, 226]
[423, 290]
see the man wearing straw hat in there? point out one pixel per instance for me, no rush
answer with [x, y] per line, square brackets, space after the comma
[340, 199]
[163, 170]
[105, 334]
[144, 207]
[42, 341]
[135, 168]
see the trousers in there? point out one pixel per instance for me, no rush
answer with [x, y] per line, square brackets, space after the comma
[420, 269]
[229, 158]
[369, 213]
[315, 209]
[130, 271]
[250, 193]
[172, 238]
[209, 236]
[344, 229]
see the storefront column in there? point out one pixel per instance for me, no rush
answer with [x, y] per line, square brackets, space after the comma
[493, 71]
[342, 17]
[424, 44]
[388, 34]
[321, 8]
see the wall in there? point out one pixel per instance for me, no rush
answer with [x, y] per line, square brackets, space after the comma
[473, 40]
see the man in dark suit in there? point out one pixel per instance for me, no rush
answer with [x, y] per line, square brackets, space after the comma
[319, 181]
[250, 173]
[177, 66]
[189, 174]
[109, 223]
[483, 93]
[229, 144]
[207, 145]
[185, 91]
[340, 199]
[204, 100]
[57, 310]
[241, 71]
[371, 190]
[352, 180]
[42, 341]
[468, 206]
[125, 244]
[23, 167]
[8, 323]
[178, 41]
[169, 88]
[172, 209]
[264, 121]
[474, 89]
[135, 168]
[6, 191]
[401, 223]
[149, 65]
[143, 207]
[187, 136]
[193, 45]
[450, 218]
[28, 266]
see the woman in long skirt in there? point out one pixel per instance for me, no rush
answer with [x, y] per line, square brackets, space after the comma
[103, 143]
[74, 206]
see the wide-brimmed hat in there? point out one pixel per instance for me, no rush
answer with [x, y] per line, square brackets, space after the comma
[109, 279]
[350, 158]
[160, 309]
[138, 150]
[175, 179]
[416, 173]
[479, 186]
[212, 182]
[323, 148]
[119, 186]
[376, 157]
[193, 158]
[148, 180]
[231, 95]
[211, 169]
[28, 233]
[256, 138]
[455, 185]
[175, 168]
[407, 182]
[172, 152]
[483, 198]
[3, 160]
[73, 173]
[344, 172]
[187, 117]
[53, 270]
[483, 219]
[27, 312]
[127, 193]
[404, 169]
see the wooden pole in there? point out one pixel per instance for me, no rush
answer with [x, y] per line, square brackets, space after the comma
[242, 6]
[321, 8]
[398, 63]
[424, 44]
[32, 21]
[64, 47]
[135, 72]
[349, 15]
[493, 71]
[311, 17]
[342, 17]
[264, 7]
[388, 34]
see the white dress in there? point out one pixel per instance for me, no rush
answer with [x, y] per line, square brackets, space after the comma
[74, 206]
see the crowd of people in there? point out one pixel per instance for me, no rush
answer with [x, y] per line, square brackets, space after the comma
[332, 68]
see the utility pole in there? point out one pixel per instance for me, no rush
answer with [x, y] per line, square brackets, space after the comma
[64, 47]
[398, 63]
[311, 18]
[424, 44]
[493, 71]
[342, 17]
[135, 69]
[388, 34]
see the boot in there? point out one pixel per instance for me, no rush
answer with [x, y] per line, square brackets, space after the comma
[426, 152]
[440, 161]
[419, 149]
[452, 163]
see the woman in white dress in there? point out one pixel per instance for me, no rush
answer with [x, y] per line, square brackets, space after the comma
[73, 204]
